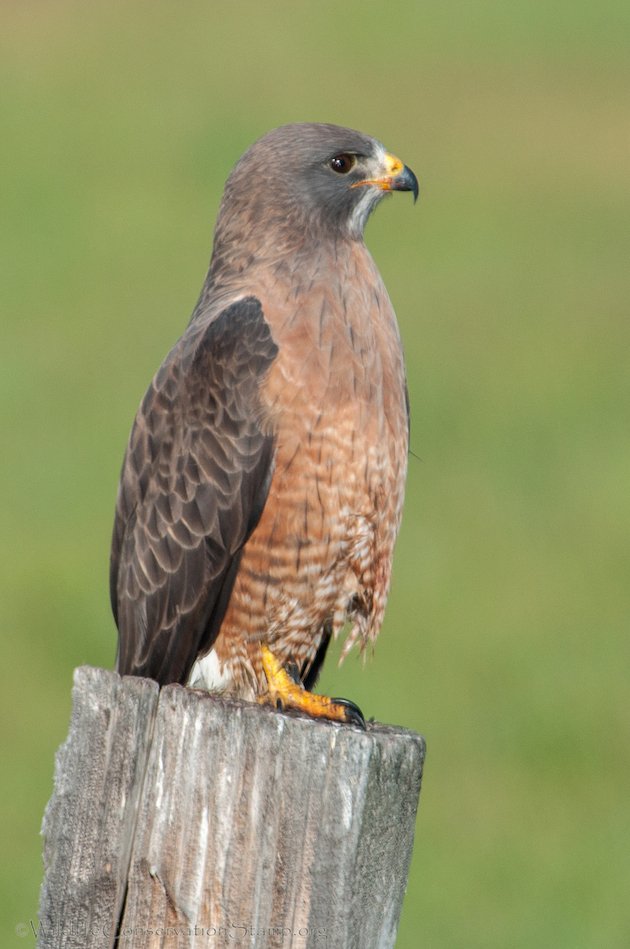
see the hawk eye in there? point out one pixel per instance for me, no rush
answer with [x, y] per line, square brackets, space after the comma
[343, 163]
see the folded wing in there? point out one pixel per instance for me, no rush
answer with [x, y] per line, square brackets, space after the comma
[194, 483]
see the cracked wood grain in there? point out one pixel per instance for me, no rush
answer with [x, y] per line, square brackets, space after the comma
[182, 819]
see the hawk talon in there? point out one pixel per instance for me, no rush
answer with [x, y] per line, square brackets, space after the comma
[291, 668]
[286, 694]
[354, 715]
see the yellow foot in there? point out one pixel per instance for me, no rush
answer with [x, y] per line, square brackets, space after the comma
[285, 692]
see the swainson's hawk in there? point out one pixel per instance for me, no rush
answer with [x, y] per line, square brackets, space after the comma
[262, 488]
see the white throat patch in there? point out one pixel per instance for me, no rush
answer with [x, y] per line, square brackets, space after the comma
[370, 197]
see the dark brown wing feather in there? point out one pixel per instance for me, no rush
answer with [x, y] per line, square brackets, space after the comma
[194, 482]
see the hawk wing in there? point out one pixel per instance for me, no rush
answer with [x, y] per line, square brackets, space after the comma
[194, 483]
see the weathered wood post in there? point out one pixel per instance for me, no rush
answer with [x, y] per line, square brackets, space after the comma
[181, 819]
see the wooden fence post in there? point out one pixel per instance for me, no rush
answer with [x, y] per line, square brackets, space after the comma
[181, 819]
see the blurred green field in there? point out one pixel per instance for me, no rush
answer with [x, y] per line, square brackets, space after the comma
[507, 638]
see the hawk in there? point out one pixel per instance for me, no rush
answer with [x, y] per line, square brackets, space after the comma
[262, 487]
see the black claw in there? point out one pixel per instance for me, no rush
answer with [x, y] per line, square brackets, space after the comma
[354, 715]
[291, 668]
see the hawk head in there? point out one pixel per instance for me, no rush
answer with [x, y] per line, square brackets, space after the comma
[310, 179]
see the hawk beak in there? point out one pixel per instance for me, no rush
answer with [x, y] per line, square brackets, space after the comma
[397, 177]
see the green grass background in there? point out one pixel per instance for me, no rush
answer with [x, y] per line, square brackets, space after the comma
[506, 640]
